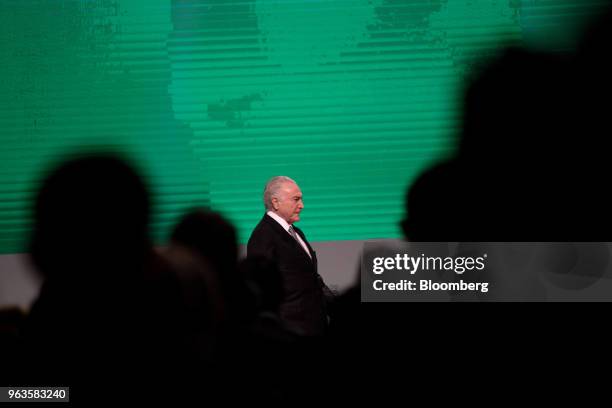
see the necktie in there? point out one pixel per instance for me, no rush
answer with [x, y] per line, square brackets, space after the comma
[295, 236]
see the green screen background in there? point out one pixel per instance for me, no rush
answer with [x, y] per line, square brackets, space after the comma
[351, 98]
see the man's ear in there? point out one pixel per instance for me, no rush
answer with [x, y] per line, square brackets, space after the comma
[275, 203]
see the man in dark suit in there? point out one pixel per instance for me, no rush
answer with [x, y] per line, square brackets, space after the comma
[305, 296]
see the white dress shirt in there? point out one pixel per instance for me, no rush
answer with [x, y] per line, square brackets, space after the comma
[286, 226]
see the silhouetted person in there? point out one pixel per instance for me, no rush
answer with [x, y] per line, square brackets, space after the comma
[508, 180]
[214, 240]
[592, 133]
[202, 303]
[11, 321]
[108, 306]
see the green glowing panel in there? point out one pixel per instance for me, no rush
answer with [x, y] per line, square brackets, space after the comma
[351, 98]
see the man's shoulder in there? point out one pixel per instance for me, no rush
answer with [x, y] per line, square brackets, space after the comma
[264, 223]
[263, 239]
[263, 228]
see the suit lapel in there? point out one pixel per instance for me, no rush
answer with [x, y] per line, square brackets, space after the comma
[287, 237]
[312, 251]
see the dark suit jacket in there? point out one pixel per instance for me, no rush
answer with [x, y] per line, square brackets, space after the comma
[305, 295]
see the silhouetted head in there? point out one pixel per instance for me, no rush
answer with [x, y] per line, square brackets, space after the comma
[433, 205]
[90, 212]
[594, 63]
[596, 38]
[512, 164]
[513, 108]
[211, 236]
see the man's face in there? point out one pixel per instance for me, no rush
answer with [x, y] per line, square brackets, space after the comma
[289, 202]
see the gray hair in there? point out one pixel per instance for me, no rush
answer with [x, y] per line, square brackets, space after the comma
[272, 187]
